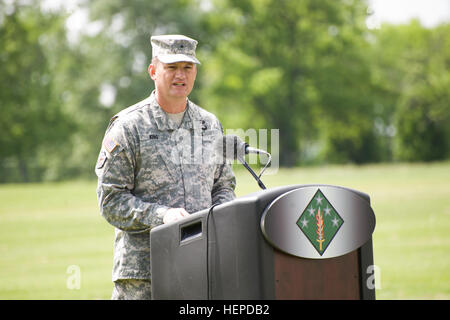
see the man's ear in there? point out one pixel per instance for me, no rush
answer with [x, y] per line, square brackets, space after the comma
[152, 71]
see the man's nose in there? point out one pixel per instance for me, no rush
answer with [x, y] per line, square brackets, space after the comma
[180, 73]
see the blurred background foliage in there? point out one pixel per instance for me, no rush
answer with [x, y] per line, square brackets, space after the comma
[338, 91]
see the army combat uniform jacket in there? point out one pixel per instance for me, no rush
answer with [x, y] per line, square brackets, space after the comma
[148, 164]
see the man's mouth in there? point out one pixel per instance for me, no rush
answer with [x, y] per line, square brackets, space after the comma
[179, 84]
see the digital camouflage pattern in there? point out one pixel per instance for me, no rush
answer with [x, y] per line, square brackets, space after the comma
[148, 164]
[132, 289]
[174, 48]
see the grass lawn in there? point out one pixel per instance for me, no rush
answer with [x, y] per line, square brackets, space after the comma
[49, 230]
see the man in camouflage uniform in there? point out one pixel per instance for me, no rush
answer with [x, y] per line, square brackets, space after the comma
[156, 164]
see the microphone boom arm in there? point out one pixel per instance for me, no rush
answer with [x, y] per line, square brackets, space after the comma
[245, 164]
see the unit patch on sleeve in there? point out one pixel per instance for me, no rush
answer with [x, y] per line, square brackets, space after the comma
[101, 159]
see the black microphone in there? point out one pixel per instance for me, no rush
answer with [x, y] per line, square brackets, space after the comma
[232, 147]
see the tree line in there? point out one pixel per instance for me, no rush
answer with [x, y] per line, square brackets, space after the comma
[337, 91]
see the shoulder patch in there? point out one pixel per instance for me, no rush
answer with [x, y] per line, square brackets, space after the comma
[110, 144]
[101, 159]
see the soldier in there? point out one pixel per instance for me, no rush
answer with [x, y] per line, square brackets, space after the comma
[156, 164]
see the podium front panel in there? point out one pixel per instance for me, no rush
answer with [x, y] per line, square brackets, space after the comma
[223, 254]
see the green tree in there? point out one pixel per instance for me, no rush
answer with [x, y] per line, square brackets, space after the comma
[413, 68]
[297, 66]
[32, 120]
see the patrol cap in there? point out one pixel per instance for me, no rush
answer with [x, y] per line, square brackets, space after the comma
[174, 48]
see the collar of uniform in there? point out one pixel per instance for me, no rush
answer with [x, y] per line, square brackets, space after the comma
[192, 118]
[158, 114]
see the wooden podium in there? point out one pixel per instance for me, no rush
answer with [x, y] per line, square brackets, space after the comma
[292, 242]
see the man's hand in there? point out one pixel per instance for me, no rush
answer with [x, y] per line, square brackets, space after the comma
[175, 214]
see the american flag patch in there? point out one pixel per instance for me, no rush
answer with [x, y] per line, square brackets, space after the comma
[110, 144]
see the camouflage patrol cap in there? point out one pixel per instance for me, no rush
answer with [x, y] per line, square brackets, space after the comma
[174, 48]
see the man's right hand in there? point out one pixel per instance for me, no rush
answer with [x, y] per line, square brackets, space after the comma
[174, 214]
